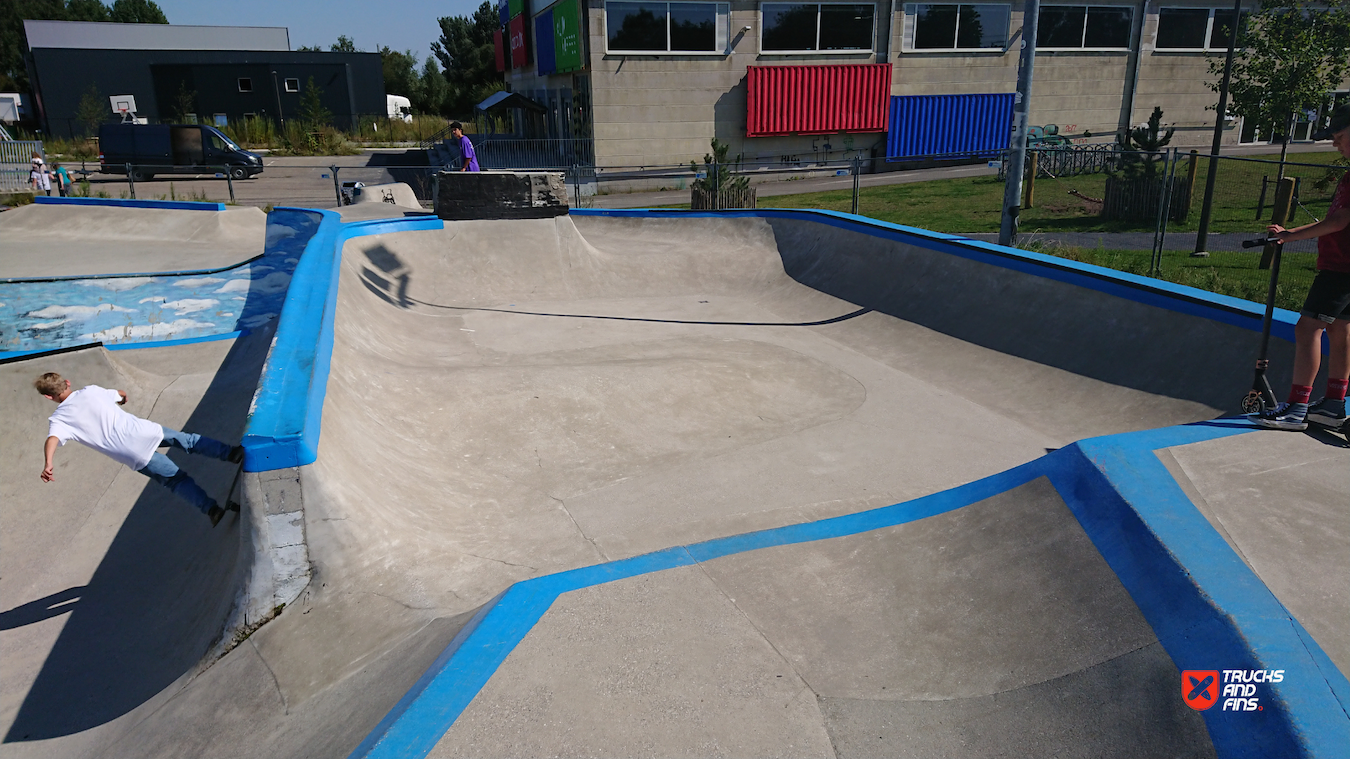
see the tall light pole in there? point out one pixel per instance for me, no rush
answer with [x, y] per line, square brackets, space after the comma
[1017, 159]
[1202, 237]
[280, 114]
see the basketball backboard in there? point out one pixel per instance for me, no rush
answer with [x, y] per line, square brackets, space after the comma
[123, 104]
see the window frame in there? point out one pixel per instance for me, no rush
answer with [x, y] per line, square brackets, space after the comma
[759, 14]
[907, 41]
[722, 14]
[1209, 29]
[1086, 8]
[240, 82]
[286, 85]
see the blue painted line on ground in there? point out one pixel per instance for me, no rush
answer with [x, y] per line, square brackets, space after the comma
[1153, 292]
[283, 430]
[181, 341]
[1197, 596]
[175, 205]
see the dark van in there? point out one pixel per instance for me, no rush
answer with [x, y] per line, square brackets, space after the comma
[172, 149]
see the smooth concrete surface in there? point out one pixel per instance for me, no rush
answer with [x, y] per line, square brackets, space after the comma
[509, 399]
[993, 630]
[1280, 500]
[68, 241]
[111, 588]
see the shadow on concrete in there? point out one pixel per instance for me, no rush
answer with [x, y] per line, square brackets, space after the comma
[44, 608]
[159, 598]
[410, 168]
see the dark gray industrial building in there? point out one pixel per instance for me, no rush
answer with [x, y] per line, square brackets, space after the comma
[235, 72]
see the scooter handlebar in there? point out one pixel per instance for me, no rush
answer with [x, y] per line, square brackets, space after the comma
[1260, 242]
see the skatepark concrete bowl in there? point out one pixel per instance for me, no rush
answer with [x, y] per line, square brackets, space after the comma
[763, 483]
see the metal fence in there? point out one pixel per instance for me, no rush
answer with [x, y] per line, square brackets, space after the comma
[1081, 204]
[15, 163]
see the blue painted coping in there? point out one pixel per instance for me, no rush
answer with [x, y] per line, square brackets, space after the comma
[179, 205]
[10, 356]
[137, 275]
[1207, 608]
[284, 425]
[1152, 292]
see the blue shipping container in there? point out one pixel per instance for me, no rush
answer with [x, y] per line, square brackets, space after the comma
[949, 124]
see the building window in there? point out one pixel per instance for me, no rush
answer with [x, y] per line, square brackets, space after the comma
[220, 119]
[1194, 28]
[292, 85]
[1084, 27]
[959, 27]
[245, 84]
[646, 27]
[799, 27]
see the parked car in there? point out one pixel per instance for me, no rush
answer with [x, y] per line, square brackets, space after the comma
[172, 149]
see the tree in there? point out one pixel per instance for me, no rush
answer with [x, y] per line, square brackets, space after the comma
[344, 44]
[1141, 147]
[136, 12]
[1290, 54]
[92, 110]
[467, 57]
[432, 89]
[13, 73]
[312, 112]
[400, 72]
[184, 103]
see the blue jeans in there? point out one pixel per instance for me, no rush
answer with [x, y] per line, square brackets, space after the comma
[162, 470]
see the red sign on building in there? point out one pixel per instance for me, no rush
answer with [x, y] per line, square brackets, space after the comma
[520, 50]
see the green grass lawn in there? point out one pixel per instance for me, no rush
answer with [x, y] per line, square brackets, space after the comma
[972, 204]
[1226, 273]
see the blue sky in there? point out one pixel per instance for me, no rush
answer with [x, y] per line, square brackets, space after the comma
[400, 24]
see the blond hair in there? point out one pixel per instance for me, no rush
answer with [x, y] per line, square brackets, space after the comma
[51, 384]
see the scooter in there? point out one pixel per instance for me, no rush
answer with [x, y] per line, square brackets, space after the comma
[1261, 397]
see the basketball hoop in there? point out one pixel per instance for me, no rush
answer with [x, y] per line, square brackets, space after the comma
[124, 106]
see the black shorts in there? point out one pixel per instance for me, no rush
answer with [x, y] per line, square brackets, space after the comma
[1329, 297]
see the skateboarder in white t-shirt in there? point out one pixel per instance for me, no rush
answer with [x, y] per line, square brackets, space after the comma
[91, 416]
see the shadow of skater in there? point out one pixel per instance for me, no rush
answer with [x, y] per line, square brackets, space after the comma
[159, 598]
[44, 608]
[389, 278]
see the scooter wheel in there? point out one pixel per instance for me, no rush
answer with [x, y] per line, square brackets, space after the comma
[1251, 404]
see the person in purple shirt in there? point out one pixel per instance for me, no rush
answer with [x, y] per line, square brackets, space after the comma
[470, 162]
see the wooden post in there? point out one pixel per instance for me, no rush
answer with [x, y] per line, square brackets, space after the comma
[1261, 199]
[1284, 198]
[1033, 164]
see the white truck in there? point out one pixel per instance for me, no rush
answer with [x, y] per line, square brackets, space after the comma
[400, 108]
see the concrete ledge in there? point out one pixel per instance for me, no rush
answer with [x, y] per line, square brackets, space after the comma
[463, 195]
[177, 205]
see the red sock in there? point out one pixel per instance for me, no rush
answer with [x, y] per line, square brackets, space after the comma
[1300, 393]
[1336, 389]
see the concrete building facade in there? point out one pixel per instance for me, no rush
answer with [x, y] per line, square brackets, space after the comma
[1100, 67]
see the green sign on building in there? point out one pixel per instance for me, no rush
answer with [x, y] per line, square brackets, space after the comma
[516, 7]
[567, 36]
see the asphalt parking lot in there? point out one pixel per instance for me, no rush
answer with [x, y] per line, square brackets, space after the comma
[306, 181]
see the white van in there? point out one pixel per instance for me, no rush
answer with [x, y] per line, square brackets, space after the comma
[399, 108]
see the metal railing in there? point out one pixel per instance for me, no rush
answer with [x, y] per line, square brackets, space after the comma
[502, 152]
[16, 162]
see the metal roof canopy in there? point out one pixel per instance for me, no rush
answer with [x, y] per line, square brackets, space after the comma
[506, 99]
[97, 35]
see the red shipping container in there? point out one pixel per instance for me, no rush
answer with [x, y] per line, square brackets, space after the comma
[817, 99]
[520, 51]
[499, 49]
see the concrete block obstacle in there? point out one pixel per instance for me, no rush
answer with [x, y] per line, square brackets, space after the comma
[500, 195]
